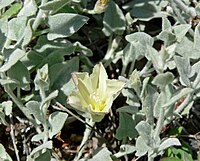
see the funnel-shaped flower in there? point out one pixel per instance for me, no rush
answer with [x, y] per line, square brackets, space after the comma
[95, 93]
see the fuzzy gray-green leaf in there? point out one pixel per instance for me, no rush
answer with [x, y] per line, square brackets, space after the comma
[163, 79]
[65, 24]
[126, 127]
[56, 121]
[114, 20]
[15, 56]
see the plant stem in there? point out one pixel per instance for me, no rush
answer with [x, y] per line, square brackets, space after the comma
[13, 138]
[87, 133]
[185, 8]
[132, 67]
[178, 16]
[160, 123]
[17, 101]
[113, 45]
[145, 69]
[44, 112]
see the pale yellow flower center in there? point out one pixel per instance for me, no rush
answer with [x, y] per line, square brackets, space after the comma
[97, 103]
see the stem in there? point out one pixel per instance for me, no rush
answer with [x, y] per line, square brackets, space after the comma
[113, 45]
[150, 158]
[196, 81]
[145, 69]
[87, 133]
[179, 16]
[92, 12]
[18, 102]
[131, 68]
[44, 112]
[160, 123]
[185, 8]
[13, 138]
[62, 108]
[39, 17]
[123, 70]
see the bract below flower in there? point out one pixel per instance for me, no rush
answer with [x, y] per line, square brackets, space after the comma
[94, 93]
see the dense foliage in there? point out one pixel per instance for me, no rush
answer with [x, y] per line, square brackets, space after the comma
[141, 100]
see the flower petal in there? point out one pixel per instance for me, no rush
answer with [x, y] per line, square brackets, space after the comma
[102, 80]
[114, 87]
[84, 91]
[78, 75]
[95, 77]
[74, 100]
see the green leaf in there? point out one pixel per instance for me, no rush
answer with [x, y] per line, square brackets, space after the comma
[60, 75]
[135, 82]
[29, 8]
[2, 40]
[64, 25]
[126, 127]
[33, 108]
[28, 33]
[129, 54]
[82, 49]
[44, 46]
[2, 118]
[12, 11]
[103, 154]
[187, 109]
[141, 146]
[6, 3]
[128, 109]
[166, 24]
[56, 122]
[167, 34]
[3, 154]
[54, 5]
[162, 98]
[176, 131]
[144, 129]
[19, 73]
[38, 137]
[137, 47]
[163, 79]
[156, 58]
[7, 81]
[124, 150]
[47, 52]
[197, 37]
[16, 28]
[42, 78]
[114, 20]
[131, 98]
[50, 97]
[7, 106]
[141, 37]
[68, 87]
[180, 31]
[186, 48]
[14, 57]
[31, 59]
[46, 156]
[177, 96]
[47, 145]
[184, 69]
[168, 143]
[4, 25]
[145, 10]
